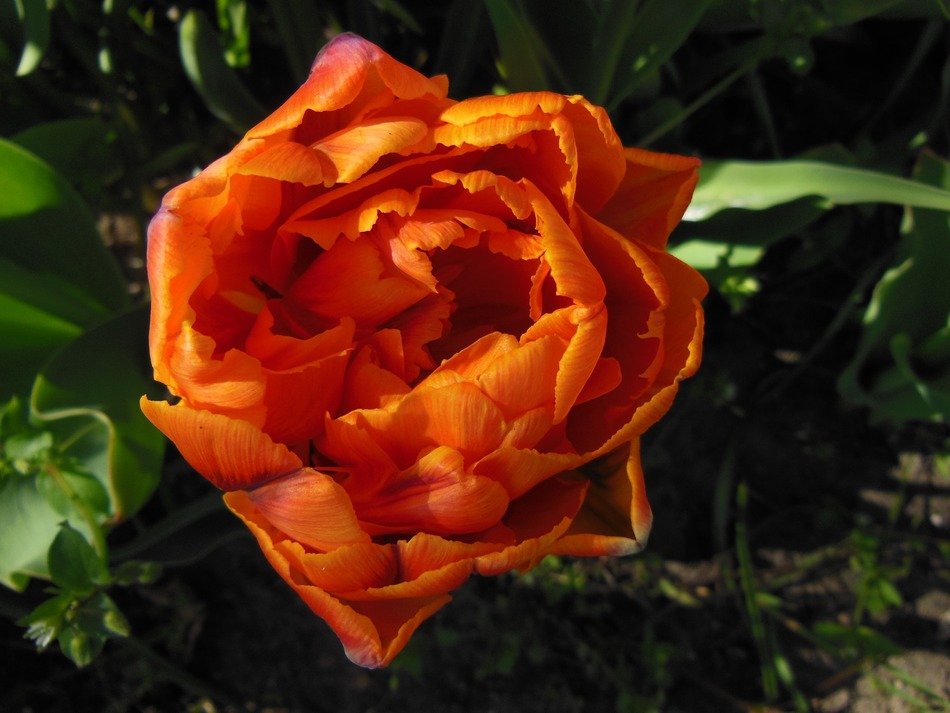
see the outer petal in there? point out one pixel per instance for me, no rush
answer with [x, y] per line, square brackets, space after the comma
[338, 74]
[652, 197]
[616, 517]
[232, 454]
[377, 625]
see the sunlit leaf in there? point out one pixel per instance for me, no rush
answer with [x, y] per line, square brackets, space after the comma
[29, 526]
[56, 276]
[35, 22]
[757, 185]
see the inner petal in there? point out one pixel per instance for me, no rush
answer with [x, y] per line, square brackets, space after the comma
[491, 295]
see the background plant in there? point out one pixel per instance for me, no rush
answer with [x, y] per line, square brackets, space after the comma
[800, 486]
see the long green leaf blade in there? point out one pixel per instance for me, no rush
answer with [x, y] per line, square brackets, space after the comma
[758, 185]
[222, 90]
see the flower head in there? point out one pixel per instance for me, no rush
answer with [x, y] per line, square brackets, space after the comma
[415, 338]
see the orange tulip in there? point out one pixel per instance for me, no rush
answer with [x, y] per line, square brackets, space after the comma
[415, 338]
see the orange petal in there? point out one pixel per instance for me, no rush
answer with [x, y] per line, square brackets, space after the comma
[179, 259]
[600, 157]
[683, 327]
[354, 150]
[348, 568]
[372, 632]
[425, 552]
[232, 383]
[232, 454]
[524, 378]
[638, 295]
[310, 507]
[436, 495]
[519, 470]
[457, 415]
[294, 163]
[579, 360]
[651, 199]
[573, 274]
[352, 280]
[338, 75]
[616, 516]
[538, 519]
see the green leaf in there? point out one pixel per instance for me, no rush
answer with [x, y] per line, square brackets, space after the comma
[136, 572]
[56, 276]
[83, 487]
[222, 90]
[73, 563]
[46, 621]
[659, 28]
[29, 526]
[88, 396]
[35, 21]
[901, 369]
[523, 52]
[81, 150]
[756, 185]
[27, 446]
[80, 647]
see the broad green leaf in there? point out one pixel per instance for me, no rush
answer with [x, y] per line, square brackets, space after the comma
[35, 21]
[82, 150]
[901, 369]
[73, 563]
[740, 236]
[222, 90]
[82, 487]
[88, 394]
[523, 53]
[757, 185]
[47, 228]
[29, 526]
[56, 276]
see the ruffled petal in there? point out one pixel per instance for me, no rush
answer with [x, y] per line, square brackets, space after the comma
[651, 199]
[373, 624]
[616, 516]
[339, 73]
[231, 453]
[537, 520]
